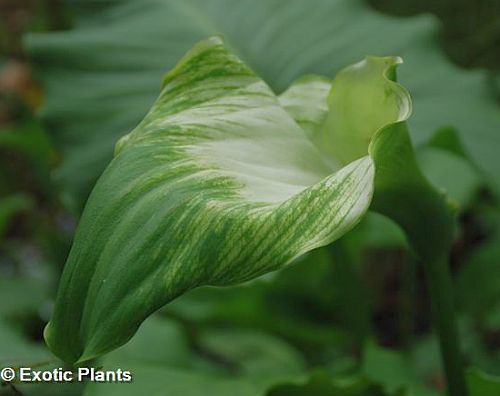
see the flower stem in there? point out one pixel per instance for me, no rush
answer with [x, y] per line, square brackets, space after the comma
[443, 309]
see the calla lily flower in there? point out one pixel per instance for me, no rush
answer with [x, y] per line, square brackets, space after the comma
[224, 181]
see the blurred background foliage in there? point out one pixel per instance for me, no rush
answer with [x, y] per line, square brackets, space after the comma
[350, 319]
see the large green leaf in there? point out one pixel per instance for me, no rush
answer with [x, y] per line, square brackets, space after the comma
[233, 362]
[101, 78]
[229, 363]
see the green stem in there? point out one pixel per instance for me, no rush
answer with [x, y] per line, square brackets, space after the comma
[441, 292]
[407, 301]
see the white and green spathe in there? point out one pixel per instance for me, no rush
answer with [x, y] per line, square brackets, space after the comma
[224, 181]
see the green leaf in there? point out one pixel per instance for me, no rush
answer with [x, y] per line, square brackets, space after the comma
[229, 362]
[405, 196]
[481, 268]
[441, 168]
[322, 384]
[17, 350]
[378, 231]
[161, 381]
[28, 138]
[394, 370]
[15, 300]
[51, 389]
[101, 78]
[260, 365]
[444, 157]
[159, 342]
[256, 355]
[481, 384]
